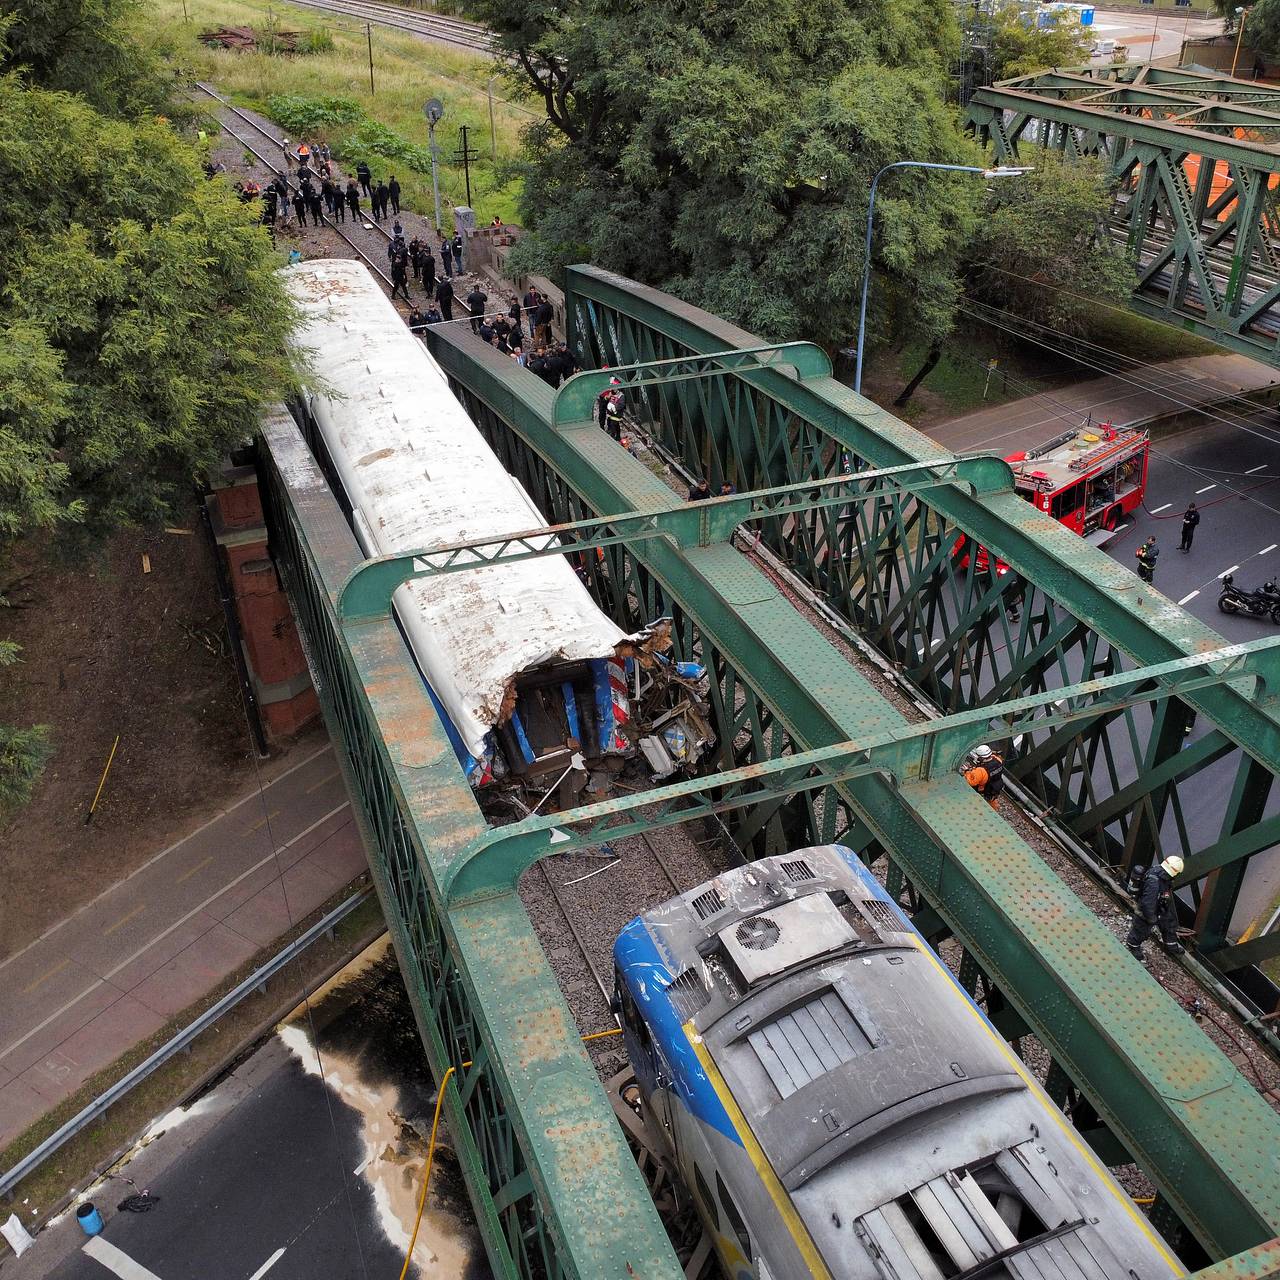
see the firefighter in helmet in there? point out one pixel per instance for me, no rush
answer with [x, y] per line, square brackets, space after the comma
[984, 772]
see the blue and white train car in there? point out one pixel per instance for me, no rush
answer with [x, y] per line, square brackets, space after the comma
[519, 661]
[837, 1106]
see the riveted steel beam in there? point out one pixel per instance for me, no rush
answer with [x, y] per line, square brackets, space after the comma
[555, 1187]
[1180, 1110]
[575, 400]
[367, 591]
[494, 862]
[1217, 276]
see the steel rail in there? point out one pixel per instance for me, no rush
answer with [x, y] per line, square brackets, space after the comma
[176, 1043]
[369, 260]
[454, 31]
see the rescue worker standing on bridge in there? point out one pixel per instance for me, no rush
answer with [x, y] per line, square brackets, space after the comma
[1156, 909]
[984, 772]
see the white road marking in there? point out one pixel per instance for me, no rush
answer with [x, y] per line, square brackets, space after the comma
[1224, 573]
[1206, 489]
[1272, 547]
[116, 1260]
[177, 924]
[1188, 599]
[1251, 470]
[266, 1266]
[1158, 510]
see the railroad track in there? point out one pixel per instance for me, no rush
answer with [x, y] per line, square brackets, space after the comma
[430, 26]
[602, 979]
[266, 138]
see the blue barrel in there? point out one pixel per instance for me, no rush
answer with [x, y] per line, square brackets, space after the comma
[89, 1218]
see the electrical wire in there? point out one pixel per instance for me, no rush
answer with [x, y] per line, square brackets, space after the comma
[993, 320]
[1001, 318]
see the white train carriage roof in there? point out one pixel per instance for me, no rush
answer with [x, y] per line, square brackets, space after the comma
[418, 473]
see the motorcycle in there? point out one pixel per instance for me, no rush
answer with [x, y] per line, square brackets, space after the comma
[1263, 603]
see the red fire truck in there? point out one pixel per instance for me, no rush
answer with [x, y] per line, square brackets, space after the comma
[1088, 478]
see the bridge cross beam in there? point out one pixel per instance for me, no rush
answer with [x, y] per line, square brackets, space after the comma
[494, 862]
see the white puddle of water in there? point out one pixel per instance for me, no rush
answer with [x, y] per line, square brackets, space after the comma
[390, 1164]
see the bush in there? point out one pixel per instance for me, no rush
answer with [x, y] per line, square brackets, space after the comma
[302, 115]
[23, 756]
[375, 138]
[318, 40]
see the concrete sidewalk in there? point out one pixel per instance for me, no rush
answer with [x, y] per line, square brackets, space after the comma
[1198, 381]
[90, 988]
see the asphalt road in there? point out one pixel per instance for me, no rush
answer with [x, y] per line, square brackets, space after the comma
[150, 945]
[1233, 477]
[1230, 467]
[296, 1166]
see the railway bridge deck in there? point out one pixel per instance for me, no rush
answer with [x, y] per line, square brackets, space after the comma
[1097, 676]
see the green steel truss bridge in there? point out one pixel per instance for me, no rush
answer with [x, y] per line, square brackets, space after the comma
[1099, 674]
[1196, 156]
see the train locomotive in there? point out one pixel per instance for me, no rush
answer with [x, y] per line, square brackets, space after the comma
[837, 1106]
[530, 678]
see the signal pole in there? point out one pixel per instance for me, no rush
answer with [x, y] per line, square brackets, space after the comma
[466, 154]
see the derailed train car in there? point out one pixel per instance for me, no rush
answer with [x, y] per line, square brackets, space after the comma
[837, 1106]
[527, 673]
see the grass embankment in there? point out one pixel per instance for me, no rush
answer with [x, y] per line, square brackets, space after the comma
[390, 131]
[959, 382]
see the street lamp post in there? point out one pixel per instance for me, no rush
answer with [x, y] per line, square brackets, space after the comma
[1001, 172]
[1241, 14]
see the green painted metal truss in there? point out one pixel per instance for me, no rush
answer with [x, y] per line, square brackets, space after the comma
[887, 564]
[1195, 156]
[1093, 671]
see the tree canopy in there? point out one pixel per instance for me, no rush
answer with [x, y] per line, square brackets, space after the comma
[144, 319]
[1043, 249]
[1021, 47]
[725, 152]
[1262, 29]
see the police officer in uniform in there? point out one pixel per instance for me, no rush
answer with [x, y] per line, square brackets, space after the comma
[1156, 909]
[984, 772]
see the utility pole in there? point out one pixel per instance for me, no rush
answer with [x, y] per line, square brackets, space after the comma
[493, 133]
[466, 155]
[368, 35]
[434, 110]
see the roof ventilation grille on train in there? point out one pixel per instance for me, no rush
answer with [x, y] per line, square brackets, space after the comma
[797, 870]
[883, 916]
[758, 934]
[688, 994]
[708, 904]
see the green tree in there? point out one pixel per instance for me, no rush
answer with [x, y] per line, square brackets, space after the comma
[144, 316]
[144, 319]
[1262, 29]
[84, 47]
[725, 151]
[1043, 247]
[1020, 47]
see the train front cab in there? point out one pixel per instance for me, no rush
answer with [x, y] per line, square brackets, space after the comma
[683, 1138]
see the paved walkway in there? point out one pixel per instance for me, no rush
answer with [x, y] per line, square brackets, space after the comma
[1168, 389]
[117, 970]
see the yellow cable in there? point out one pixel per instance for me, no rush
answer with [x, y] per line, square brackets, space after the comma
[426, 1177]
[431, 1148]
[97, 795]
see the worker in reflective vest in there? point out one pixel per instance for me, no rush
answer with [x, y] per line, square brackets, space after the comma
[984, 772]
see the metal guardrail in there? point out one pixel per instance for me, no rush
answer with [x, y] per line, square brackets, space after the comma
[176, 1044]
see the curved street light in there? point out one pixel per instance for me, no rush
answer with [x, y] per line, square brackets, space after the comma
[1003, 171]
